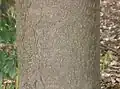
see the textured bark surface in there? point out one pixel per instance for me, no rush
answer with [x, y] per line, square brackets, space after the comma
[58, 44]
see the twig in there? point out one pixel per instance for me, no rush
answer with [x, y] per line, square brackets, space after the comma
[109, 48]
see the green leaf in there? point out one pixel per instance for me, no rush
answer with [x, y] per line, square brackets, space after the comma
[1, 76]
[12, 73]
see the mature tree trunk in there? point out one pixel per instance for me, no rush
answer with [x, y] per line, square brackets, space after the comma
[58, 44]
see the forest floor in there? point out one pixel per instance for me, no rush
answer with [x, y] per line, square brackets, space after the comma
[110, 44]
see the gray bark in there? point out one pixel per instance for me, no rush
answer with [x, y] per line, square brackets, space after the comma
[58, 44]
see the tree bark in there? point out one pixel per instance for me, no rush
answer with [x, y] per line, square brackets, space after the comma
[58, 44]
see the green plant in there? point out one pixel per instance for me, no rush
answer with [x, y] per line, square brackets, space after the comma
[105, 60]
[8, 56]
[7, 29]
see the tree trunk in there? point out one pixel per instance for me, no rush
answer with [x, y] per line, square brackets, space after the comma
[58, 44]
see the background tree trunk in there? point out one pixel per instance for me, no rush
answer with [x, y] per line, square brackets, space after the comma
[58, 44]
